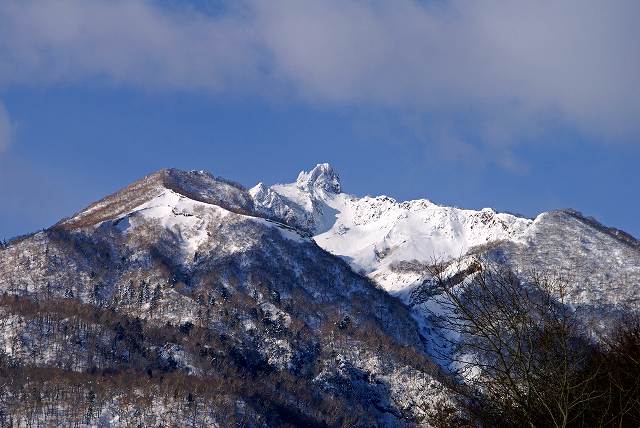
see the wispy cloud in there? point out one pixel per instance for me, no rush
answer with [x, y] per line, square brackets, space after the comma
[500, 63]
[130, 42]
[574, 60]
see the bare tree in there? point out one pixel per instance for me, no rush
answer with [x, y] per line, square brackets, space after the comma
[516, 342]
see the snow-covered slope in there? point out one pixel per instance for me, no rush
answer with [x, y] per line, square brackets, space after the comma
[393, 242]
[602, 264]
[375, 233]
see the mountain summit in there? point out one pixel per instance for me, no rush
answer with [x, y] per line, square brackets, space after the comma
[322, 176]
[198, 186]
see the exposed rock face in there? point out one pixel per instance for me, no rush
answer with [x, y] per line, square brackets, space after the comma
[321, 177]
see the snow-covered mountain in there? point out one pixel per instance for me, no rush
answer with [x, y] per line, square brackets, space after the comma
[284, 294]
[374, 233]
[378, 235]
[394, 242]
[179, 274]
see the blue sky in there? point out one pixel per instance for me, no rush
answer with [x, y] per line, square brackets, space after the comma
[518, 106]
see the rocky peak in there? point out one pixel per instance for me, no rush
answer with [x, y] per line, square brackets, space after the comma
[199, 186]
[323, 176]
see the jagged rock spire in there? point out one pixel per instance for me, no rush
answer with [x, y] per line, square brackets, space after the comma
[323, 176]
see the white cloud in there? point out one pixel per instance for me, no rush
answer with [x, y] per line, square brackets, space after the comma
[573, 62]
[577, 60]
[130, 42]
